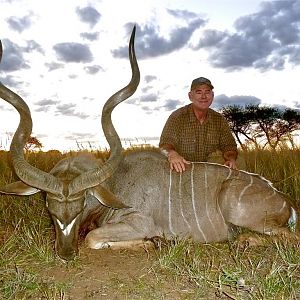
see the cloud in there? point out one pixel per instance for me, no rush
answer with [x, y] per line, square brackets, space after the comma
[171, 105]
[12, 57]
[293, 53]
[149, 78]
[11, 81]
[210, 38]
[80, 135]
[45, 105]
[69, 110]
[152, 44]
[182, 14]
[146, 89]
[46, 102]
[73, 52]
[265, 40]
[148, 98]
[33, 46]
[297, 106]
[91, 36]
[19, 24]
[54, 66]
[93, 69]
[223, 100]
[73, 76]
[282, 107]
[2, 108]
[88, 15]
[277, 19]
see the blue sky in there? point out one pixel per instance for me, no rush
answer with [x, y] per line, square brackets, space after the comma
[66, 58]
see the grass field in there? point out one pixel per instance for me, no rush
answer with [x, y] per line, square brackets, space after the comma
[29, 268]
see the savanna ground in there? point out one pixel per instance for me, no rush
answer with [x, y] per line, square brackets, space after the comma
[29, 269]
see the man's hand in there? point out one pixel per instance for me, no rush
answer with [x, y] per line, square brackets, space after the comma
[177, 162]
[230, 159]
[231, 164]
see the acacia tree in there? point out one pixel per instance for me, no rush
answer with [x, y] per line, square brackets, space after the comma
[262, 126]
[33, 143]
[266, 121]
[241, 122]
[238, 122]
[291, 124]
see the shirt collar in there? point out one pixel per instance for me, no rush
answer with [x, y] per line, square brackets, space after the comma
[193, 118]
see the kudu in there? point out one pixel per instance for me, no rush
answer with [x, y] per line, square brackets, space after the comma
[203, 203]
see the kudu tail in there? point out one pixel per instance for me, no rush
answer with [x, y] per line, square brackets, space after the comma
[293, 222]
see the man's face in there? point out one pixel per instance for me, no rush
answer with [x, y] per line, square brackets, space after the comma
[201, 97]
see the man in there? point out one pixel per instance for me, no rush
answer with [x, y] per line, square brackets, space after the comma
[194, 131]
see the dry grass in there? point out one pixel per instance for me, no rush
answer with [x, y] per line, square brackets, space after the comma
[181, 270]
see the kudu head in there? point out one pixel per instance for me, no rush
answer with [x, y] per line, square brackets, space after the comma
[67, 193]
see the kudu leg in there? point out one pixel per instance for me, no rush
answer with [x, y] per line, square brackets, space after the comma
[131, 232]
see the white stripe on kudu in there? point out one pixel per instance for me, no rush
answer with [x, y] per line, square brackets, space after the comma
[207, 199]
[193, 201]
[245, 189]
[170, 204]
[181, 200]
[66, 229]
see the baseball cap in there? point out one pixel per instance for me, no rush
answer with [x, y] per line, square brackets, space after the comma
[199, 81]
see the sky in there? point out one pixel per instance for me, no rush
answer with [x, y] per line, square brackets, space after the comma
[66, 58]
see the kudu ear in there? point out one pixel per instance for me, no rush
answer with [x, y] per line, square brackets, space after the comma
[18, 188]
[106, 197]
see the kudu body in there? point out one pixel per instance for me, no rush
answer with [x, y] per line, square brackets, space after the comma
[138, 197]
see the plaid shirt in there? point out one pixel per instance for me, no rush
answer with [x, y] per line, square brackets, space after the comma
[193, 140]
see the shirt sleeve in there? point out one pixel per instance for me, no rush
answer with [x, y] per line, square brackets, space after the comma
[227, 141]
[169, 132]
